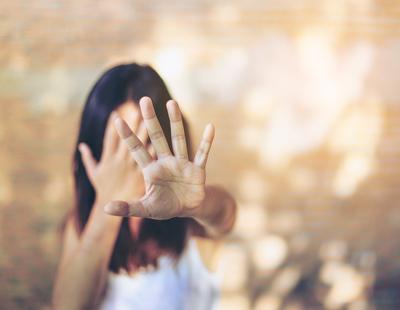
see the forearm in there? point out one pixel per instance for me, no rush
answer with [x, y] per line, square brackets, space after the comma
[217, 212]
[83, 274]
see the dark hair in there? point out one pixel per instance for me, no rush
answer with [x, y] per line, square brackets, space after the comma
[127, 82]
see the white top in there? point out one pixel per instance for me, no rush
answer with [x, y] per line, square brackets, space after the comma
[185, 284]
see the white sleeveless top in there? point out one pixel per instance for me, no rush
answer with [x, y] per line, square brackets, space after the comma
[181, 285]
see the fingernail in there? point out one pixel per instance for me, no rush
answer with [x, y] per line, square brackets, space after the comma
[145, 98]
[114, 116]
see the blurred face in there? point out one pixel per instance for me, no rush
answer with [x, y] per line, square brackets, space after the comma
[128, 111]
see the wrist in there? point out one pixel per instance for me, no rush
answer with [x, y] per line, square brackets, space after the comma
[100, 202]
[197, 213]
[101, 229]
[216, 213]
[102, 216]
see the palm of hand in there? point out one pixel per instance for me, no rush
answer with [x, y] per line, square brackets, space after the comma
[174, 185]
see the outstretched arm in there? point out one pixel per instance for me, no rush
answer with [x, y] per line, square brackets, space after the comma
[216, 215]
[175, 186]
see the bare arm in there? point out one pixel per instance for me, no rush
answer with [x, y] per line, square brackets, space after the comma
[83, 267]
[216, 214]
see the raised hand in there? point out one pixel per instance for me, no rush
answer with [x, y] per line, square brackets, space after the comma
[115, 176]
[174, 185]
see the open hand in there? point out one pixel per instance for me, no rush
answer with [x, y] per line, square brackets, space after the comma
[174, 185]
[115, 176]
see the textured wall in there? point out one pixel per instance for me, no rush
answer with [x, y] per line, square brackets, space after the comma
[305, 97]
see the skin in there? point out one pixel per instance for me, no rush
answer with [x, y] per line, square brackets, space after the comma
[131, 180]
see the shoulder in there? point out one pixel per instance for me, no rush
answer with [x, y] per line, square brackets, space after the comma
[208, 250]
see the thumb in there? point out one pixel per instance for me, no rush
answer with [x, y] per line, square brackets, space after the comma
[88, 160]
[125, 209]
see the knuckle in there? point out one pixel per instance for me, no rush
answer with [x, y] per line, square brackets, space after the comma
[178, 137]
[158, 134]
[134, 147]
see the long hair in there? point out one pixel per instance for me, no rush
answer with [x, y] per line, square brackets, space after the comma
[122, 83]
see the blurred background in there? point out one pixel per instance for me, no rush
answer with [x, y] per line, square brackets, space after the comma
[305, 96]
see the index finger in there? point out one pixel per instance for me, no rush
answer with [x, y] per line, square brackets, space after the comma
[135, 146]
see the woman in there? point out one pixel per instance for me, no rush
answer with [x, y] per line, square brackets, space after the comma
[131, 242]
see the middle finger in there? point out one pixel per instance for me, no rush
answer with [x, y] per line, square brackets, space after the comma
[154, 129]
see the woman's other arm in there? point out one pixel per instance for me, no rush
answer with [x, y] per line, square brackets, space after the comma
[83, 268]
